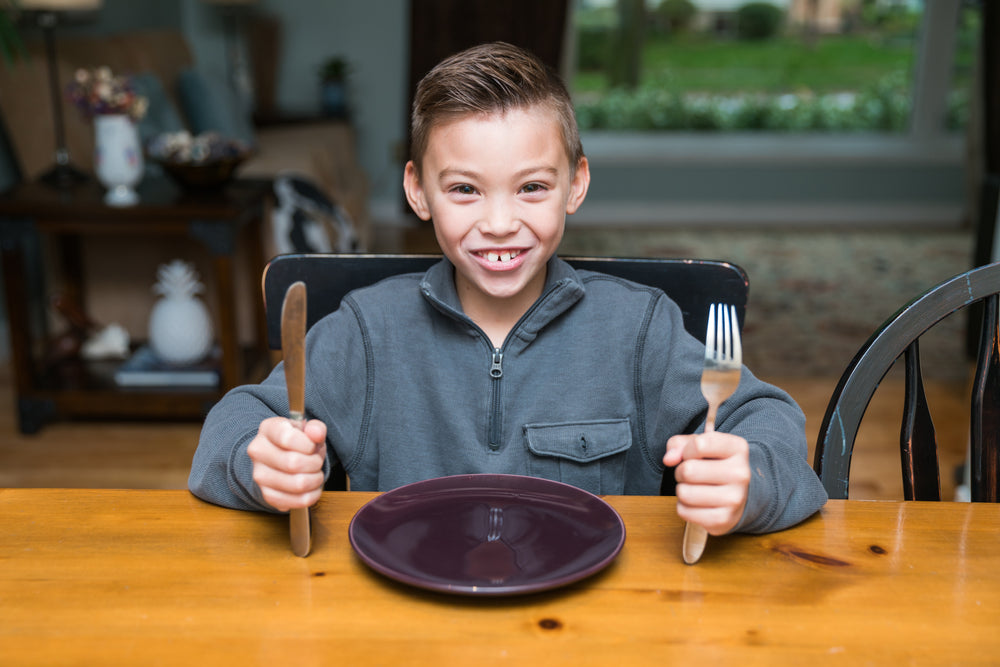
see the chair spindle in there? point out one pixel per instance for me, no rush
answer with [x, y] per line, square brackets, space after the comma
[917, 438]
[985, 450]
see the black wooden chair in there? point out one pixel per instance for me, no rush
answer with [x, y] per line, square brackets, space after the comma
[900, 335]
[692, 284]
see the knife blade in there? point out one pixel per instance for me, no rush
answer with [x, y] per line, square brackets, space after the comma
[293, 351]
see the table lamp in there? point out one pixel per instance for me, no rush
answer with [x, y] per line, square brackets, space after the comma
[47, 15]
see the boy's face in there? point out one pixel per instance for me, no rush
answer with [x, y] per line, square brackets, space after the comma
[498, 189]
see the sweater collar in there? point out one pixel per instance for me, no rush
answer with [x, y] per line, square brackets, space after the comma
[562, 289]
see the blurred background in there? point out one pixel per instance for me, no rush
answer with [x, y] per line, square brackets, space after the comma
[707, 111]
[844, 152]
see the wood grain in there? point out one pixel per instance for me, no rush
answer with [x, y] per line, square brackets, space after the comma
[134, 577]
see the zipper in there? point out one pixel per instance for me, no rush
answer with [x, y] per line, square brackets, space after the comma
[493, 430]
[496, 406]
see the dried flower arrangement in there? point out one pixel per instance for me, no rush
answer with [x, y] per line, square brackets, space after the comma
[183, 147]
[206, 161]
[99, 92]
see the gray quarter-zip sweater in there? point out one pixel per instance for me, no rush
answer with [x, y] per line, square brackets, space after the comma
[586, 389]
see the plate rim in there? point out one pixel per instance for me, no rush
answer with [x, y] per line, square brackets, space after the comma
[487, 589]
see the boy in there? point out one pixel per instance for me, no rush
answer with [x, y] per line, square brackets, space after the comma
[501, 358]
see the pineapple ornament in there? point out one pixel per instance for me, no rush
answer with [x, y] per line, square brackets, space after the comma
[180, 327]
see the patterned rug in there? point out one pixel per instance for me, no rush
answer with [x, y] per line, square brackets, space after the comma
[815, 296]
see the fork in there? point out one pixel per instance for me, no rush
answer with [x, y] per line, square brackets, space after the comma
[719, 379]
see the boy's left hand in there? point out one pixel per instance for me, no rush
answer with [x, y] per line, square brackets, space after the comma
[713, 478]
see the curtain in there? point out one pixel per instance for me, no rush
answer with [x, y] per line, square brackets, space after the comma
[440, 28]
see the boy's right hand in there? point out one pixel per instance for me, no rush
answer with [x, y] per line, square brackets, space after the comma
[288, 462]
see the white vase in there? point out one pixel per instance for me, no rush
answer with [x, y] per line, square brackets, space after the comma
[117, 158]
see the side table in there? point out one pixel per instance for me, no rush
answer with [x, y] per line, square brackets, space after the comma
[219, 220]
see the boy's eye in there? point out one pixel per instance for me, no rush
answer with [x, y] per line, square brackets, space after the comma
[464, 189]
[533, 188]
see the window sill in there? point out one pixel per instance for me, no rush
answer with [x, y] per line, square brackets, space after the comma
[650, 148]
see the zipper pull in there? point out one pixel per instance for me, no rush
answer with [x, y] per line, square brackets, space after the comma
[496, 369]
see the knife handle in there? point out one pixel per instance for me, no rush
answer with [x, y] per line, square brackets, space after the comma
[299, 521]
[300, 531]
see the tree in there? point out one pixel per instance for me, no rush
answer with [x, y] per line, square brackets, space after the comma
[626, 57]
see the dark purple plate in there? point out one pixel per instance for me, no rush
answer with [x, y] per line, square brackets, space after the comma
[487, 534]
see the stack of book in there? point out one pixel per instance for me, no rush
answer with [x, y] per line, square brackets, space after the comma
[145, 369]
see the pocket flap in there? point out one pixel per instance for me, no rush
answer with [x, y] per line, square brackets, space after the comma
[580, 441]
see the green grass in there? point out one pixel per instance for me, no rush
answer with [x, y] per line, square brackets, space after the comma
[780, 65]
[697, 81]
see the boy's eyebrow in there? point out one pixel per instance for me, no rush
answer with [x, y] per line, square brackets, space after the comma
[534, 170]
[448, 172]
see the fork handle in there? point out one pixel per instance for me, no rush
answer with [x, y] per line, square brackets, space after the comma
[695, 536]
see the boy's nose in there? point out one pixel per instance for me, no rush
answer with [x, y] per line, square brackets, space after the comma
[501, 219]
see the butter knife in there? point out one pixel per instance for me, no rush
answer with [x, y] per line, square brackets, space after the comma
[293, 350]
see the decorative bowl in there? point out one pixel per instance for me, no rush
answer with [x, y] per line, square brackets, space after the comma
[204, 162]
[202, 175]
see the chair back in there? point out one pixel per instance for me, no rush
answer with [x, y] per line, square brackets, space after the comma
[692, 284]
[900, 335]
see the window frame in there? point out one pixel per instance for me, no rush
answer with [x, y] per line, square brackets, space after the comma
[927, 147]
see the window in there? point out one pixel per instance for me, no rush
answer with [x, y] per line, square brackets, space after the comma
[796, 65]
[840, 116]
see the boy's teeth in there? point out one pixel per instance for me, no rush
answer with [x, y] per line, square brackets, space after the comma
[504, 256]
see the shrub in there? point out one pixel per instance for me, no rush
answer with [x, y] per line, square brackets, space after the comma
[758, 20]
[882, 107]
[593, 47]
[676, 15]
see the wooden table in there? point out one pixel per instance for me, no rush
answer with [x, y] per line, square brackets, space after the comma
[218, 220]
[158, 577]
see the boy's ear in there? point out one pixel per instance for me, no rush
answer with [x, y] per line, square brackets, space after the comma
[415, 192]
[578, 187]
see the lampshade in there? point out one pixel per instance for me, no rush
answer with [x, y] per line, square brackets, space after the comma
[59, 5]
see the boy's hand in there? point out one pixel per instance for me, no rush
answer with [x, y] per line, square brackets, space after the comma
[288, 462]
[713, 477]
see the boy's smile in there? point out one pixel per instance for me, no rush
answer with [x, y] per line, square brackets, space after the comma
[501, 260]
[498, 188]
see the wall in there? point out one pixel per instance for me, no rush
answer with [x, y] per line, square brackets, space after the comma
[374, 38]
[374, 42]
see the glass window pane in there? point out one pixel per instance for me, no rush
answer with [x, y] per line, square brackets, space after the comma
[963, 81]
[785, 65]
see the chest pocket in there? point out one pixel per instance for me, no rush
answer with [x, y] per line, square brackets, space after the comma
[589, 455]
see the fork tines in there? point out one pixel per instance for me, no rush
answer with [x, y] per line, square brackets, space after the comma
[721, 329]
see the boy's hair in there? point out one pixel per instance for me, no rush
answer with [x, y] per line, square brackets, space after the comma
[486, 79]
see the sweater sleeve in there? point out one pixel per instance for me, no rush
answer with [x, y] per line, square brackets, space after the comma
[783, 490]
[222, 472]
[336, 363]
